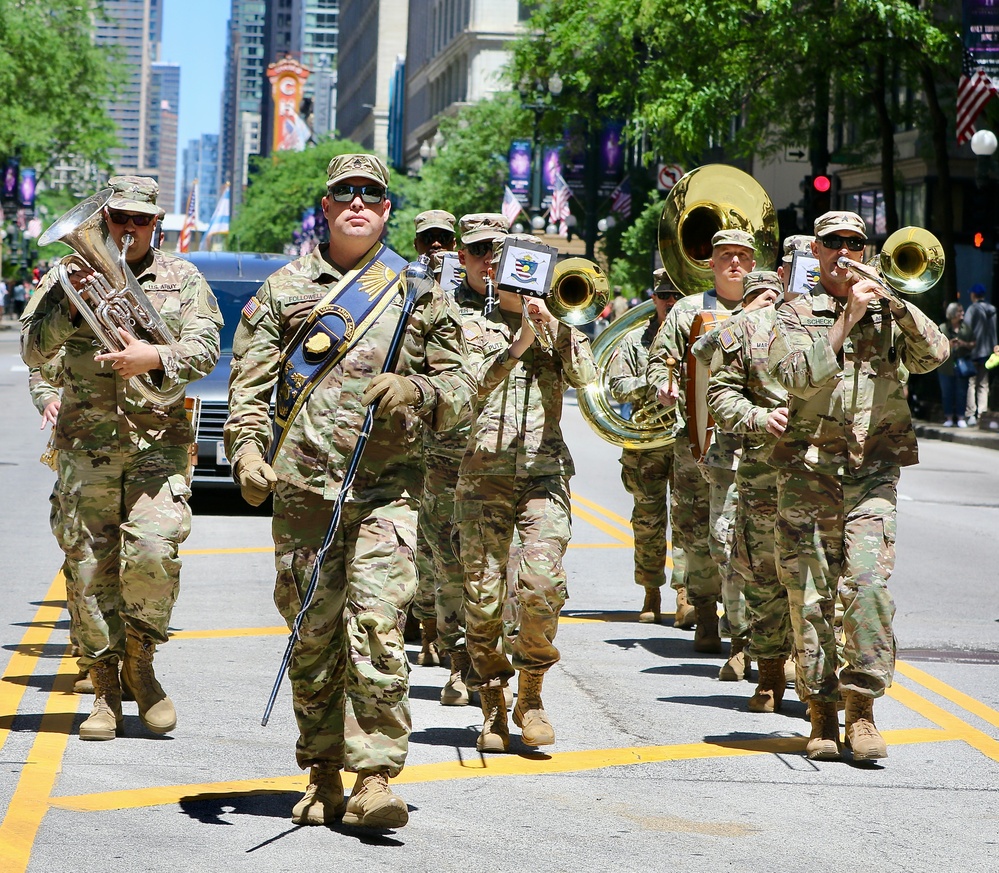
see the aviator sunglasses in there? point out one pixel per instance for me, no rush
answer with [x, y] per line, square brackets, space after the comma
[665, 295]
[367, 193]
[853, 243]
[478, 249]
[429, 237]
[139, 220]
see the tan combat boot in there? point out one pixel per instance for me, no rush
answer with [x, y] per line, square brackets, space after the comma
[455, 692]
[823, 743]
[706, 638]
[323, 802]
[105, 720]
[685, 616]
[770, 686]
[83, 684]
[372, 803]
[529, 713]
[737, 666]
[862, 737]
[652, 606]
[495, 735]
[429, 655]
[156, 710]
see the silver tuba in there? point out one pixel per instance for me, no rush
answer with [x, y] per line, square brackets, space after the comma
[114, 299]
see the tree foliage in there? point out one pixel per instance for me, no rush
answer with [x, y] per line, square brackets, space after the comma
[54, 84]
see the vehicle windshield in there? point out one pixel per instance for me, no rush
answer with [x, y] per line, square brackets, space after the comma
[232, 297]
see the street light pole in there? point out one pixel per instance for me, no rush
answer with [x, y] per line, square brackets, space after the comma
[539, 106]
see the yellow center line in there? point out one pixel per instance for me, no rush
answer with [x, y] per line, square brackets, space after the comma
[31, 799]
[602, 525]
[475, 767]
[604, 511]
[24, 658]
[931, 683]
[955, 727]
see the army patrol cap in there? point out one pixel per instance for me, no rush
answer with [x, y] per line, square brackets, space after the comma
[357, 167]
[661, 282]
[733, 238]
[135, 194]
[482, 225]
[799, 242]
[835, 222]
[434, 218]
[761, 280]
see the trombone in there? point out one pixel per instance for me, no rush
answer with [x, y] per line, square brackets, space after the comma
[911, 262]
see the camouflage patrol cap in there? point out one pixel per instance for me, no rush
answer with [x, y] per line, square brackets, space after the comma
[760, 280]
[498, 242]
[661, 281]
[482, 225]
[357, 166]
[135, 194]
[799, 242]
[834, 222]
[434, 218]
[733, 238]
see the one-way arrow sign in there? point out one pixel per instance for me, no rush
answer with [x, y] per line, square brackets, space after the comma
[797, 154]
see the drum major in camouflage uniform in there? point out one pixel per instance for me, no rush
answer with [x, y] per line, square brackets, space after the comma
[348, 671]
[703, 495]
[744, 399]
[839, 352]
[646, 473]
[515, 476]
[123, 464]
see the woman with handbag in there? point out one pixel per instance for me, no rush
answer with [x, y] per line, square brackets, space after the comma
[956, 371]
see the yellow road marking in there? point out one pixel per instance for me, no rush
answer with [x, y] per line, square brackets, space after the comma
[955, 727]
[31, 797]
[602, 510]
[931, 683]
[228, 632]
[627, 540]
[24, 658]
[477, 766]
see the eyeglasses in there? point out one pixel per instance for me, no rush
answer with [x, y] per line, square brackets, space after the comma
[853, 243]
[138, 219]
[480, 249]
[367, 193]
[429, 237]
[666, 295]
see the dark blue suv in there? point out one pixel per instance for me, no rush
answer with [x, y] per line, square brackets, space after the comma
[235, 278]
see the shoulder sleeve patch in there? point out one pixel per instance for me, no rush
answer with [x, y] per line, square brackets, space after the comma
[253, 311]
[727, 339]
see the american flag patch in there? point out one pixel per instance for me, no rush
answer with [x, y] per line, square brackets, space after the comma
[251, 307]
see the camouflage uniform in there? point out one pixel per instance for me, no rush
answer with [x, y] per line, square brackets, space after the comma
[515, 475]
[848, 434]
[644, 472]
[123, 466]
[741, 394]
[699, 520]
[349, 673]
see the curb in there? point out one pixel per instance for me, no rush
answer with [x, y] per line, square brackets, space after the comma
[972, 436]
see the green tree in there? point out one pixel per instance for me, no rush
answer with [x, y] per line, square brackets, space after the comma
[54, 84]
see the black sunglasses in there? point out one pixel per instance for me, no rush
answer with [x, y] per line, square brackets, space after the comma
[479, 249]
[138, 219]
[853, 243]
[665, 295]
[367, 193]
[444, 237]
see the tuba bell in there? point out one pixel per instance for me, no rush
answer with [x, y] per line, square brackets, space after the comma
[114, 299]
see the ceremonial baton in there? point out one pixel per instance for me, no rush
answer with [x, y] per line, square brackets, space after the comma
[417, 276]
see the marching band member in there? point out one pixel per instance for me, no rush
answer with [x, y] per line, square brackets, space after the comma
[840, 353]
[348, 671]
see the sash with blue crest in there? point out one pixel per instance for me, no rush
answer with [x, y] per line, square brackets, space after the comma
[331, 330]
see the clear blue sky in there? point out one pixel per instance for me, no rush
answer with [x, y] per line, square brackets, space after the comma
[194, 34]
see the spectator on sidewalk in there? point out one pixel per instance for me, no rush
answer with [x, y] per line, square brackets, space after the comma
[981, 317]
[954, 372]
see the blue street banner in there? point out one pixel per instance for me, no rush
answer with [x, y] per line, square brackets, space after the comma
[551, 171]
[520, 170]
[981, 34]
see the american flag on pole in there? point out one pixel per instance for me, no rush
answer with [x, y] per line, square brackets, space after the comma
[559, 210]
[974, 90]
[511, 206]
[190, 225]
[621, 199]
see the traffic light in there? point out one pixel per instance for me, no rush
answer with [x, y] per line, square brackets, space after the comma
[978, 239]
[821, 194]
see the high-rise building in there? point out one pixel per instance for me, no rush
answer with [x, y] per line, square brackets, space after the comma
[201, 162]
[372, 37]
[242, 94]
[161, 131]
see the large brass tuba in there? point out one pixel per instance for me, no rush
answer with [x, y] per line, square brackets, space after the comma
[910, 262]
[114, 299]
[598, 407]
[708, 199]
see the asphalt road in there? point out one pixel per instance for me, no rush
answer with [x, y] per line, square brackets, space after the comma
[657, 764]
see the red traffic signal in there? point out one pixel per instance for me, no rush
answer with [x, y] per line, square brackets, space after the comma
[821, 184]
[978, 239]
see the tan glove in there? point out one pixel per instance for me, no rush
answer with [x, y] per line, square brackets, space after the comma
[395, 392]
[256, 478]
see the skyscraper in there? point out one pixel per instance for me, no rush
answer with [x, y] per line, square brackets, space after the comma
[161, 130]
[201, 162]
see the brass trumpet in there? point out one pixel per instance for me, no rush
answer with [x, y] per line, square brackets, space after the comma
[578, 295]
[911, 262]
